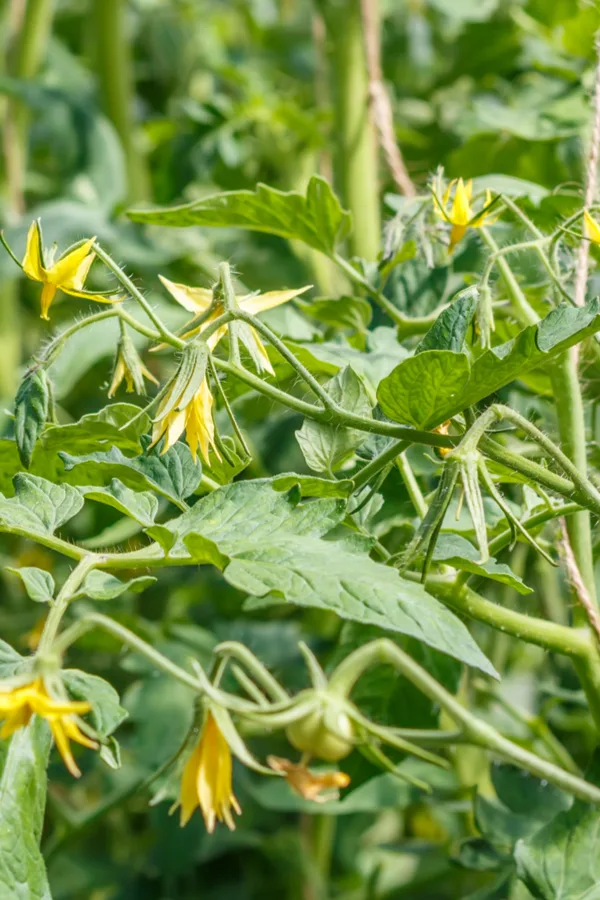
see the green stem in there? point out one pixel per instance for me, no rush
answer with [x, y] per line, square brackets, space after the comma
[281, 348]
[114, 71]
[522, 309]
[131, 640]
[65, 595]
[478, 732]
[235, 650]
[412, 485]
[408, 326]
[556, 638]
[568, 401]
[356, 165]
[322, 842]
[380, 462]
[137, 295]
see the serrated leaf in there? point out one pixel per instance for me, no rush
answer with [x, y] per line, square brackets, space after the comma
[449, 330]
[113, 426]
[317, 219]
[457, 551]
[327, 447]
[107, 713]
[252, 510]
[564, 327]
[422, 387]
[103, 586]
[173, 474]
[39, 505]
[268, 545]
[38, 583]
[139, 505]
[23, 763]
[31, 412]
[324, 575]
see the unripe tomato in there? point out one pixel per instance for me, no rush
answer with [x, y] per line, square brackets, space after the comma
[310, 735]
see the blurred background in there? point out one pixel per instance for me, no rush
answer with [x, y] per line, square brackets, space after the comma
[105, 104]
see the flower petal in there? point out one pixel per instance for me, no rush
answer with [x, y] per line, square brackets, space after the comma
[65, 271]
[461, 209]
[33, 261]
[259, 303]
[592, 229]
[195, 300]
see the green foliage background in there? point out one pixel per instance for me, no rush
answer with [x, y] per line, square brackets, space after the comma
[224, 95]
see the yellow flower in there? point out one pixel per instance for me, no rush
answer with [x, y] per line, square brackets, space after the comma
[130, 367]
[306, 783]
[592, 229]
[461, 215]
[206, 781]
[195, 418]
[19, 704]
[198, 301]
[67, 274]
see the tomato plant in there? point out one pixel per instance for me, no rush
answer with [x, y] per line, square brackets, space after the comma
[299, 471]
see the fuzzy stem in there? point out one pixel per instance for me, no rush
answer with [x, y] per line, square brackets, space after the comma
[480, 733]
[356, 162]
[114, 69]
[131, 640]
[64, 597]
[133, 291]
[522, 309]
[571, 426]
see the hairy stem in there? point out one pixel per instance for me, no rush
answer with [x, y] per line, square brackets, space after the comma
[356, 165]
[478, 732]
[114, 71]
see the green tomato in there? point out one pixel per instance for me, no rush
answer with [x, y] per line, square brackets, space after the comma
[310, 735]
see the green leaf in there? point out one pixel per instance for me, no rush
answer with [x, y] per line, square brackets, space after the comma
[107, 713]
[329, 357]
[457, 551]
[511, 187]
[268, 545]
[110, 427]
[311, 486]
[327, 447]
[223, 471]
[497, 367]
[103, 586]
[339, 312]
[31, 412]
[317, 219]
[324, 575]
[23, 763]
[139, 505]
[38, 583]
[39, 505]
[561, 861]
[449, 330]
[422, 387]
[173, 474]
[526, 795]
[10, 662]
[253, 511]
